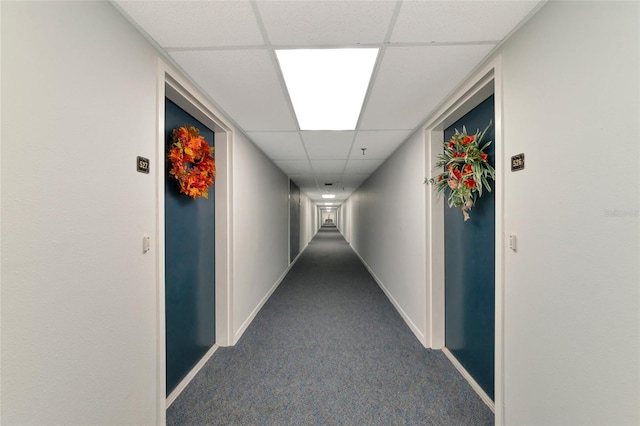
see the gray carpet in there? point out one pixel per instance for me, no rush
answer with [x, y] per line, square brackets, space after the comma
[328, 348]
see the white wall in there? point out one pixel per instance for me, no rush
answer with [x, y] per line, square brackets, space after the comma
[388, 219]
[571, 312]
[79, 298]
[261, 230]
[307, 220]
[78, 294]
[346, 214]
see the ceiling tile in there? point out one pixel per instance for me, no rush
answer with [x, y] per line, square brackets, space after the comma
[317, 23]
[328, 166]
[424, 84]
[196, 23]
[353, 179]
[304, 181]
[291, 167]
[328, 145]
[245, 85]
[379, 143]
[446, 21]
[220, 47]
[323, 178]
[279, 145]
[362, 166]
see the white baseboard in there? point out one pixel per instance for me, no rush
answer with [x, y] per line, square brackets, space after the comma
[476, 387]
[187, 379]
[238, 334]
[185, 382]
[414, 328]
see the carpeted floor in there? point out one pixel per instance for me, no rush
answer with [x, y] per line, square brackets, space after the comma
[328, 348]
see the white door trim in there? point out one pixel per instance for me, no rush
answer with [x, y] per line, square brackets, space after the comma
[486, 81]
[171, 84]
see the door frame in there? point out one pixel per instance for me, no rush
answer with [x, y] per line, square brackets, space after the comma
[487, 80]
[171, 84]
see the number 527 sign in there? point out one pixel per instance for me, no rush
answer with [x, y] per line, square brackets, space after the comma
[142, 165]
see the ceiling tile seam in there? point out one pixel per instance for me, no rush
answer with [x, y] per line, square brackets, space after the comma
[408, 129]
[165, 54]
[177, 66]
[270, 46]
[217, 48]
[205, 94]
[441, 43]
[332, 46]
[272, 131]
[353, 142]
[374, 74]
[278, 70]
[430, 115]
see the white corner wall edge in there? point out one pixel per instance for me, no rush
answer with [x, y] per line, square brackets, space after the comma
[488, 76]
[168, 75]
[238, 334]
[476, 387]
[416, 331]
[187, 379]
[0, 215]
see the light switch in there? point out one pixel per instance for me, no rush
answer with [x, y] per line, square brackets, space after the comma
[146, 244]
[513, 242]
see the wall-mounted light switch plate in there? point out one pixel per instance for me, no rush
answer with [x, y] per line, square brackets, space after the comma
[513, 242]
[146, 244]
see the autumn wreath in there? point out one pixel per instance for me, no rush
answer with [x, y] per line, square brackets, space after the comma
[467, 169]
[192, 162]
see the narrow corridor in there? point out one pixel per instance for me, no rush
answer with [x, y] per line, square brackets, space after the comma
[328, 348]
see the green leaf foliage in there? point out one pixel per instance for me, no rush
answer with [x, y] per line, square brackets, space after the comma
[467, 171]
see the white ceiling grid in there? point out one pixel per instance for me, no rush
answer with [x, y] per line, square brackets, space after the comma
[426, 49]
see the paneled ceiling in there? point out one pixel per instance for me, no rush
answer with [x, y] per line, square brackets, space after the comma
[426, 49]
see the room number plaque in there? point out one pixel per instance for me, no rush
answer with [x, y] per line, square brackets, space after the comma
[517, 162]
[142, 165]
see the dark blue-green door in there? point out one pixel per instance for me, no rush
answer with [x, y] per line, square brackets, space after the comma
[470, 269]
[189, 265]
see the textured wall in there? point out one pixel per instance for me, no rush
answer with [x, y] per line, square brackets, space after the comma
[79, 298]
[261, 229]
[388, 213]
[572, 314]
[78, 294]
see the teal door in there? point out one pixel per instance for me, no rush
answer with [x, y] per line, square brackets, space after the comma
[470, 269]
[189, 265]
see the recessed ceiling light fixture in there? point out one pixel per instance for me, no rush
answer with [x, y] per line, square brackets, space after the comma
[327, 86]
[328, 196]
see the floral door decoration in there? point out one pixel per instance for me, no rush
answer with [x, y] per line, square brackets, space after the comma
[192, 162]
[466, 170]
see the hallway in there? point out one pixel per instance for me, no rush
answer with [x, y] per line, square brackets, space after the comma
[83, 250]
[328, 348]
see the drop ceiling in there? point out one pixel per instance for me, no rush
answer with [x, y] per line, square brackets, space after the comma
[427, 48]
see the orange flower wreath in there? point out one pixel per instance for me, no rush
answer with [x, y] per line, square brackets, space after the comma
[192, 162]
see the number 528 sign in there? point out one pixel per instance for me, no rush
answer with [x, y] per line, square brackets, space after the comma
[517, 162]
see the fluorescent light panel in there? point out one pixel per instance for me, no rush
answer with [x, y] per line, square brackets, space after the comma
[327, 86]
[328, 196]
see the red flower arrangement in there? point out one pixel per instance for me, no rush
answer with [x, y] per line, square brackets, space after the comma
[192, 162]
[467, 169]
